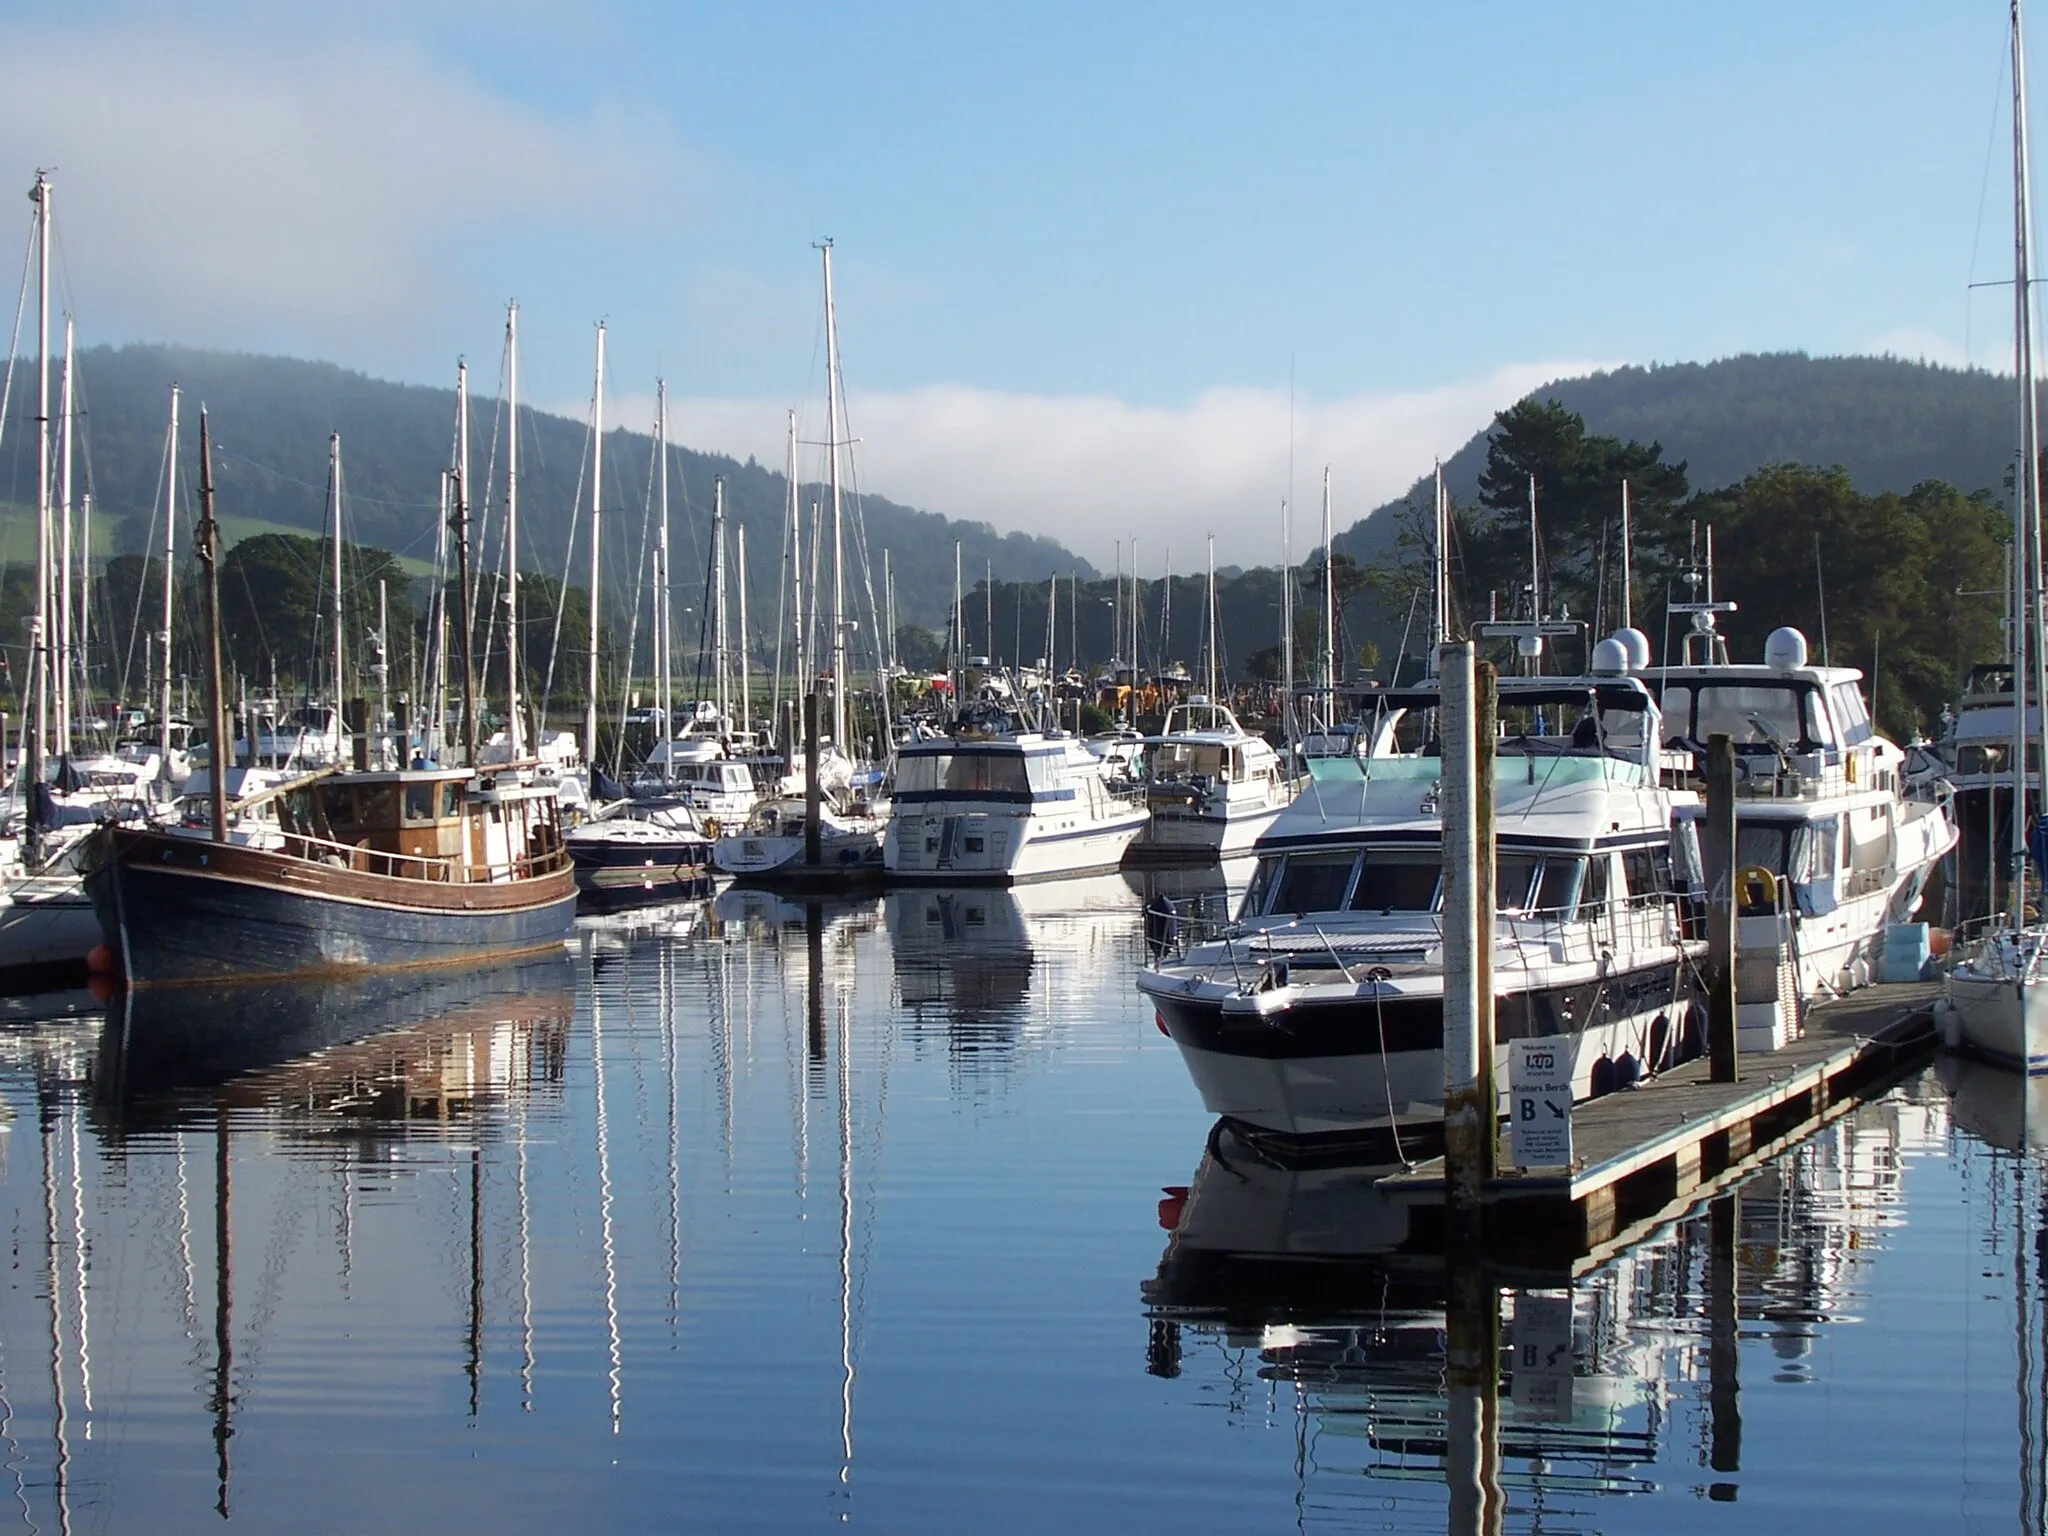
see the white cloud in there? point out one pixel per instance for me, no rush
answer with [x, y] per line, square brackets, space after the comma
[1089, 471]
[314, 185]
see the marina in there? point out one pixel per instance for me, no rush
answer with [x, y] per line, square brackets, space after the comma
[725, 1204]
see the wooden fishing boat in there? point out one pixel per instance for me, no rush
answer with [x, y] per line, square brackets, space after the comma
[376, 871]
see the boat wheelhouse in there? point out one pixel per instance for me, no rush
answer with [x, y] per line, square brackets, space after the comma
[1002, 808]
[1213, 786]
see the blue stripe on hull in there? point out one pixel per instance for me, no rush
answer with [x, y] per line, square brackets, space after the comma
[170, 928]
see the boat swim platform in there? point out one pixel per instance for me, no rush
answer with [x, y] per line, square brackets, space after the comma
[1645, 1155]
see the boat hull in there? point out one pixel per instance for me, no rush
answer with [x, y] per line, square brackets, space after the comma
[1352, 1062]
[180, 912]
[2000, 1019]
[980, 847]
[47, 928]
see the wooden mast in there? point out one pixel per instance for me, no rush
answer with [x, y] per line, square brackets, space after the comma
[220, 747]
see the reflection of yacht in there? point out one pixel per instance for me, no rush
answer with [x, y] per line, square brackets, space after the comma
[1322, 1010]
[637, 851]
[164, 1042]
[999, 809]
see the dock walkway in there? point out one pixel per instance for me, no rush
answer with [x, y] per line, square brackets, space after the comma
[1637, 1152]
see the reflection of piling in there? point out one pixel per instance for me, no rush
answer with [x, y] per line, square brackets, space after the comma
[1472, 1383]
[223, 1312]
[1469, 1135]
[814, 954]
[812, 793]
[1724, 1221]
[1718, 855]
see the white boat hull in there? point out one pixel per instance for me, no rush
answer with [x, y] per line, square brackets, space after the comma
[1000, 847]
[1999, 1018]
[46, 925]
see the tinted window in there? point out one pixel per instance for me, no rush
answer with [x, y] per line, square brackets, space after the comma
[1558, 890]
[1397, 880]
[1314, 882]
[1513, 874]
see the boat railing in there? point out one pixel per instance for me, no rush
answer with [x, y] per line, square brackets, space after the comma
[441, 868]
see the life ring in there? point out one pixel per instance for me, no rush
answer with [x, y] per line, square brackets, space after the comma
[1756, 889]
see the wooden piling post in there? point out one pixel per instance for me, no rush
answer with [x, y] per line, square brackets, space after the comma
[1468, 1006]
[1717, 845]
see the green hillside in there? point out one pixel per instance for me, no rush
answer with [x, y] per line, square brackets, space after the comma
[271, 417]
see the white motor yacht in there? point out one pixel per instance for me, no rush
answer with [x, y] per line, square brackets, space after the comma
[1003, 807]
[1213, 786]
[1320, 1011]
[1830, 849]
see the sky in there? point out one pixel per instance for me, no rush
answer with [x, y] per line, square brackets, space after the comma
[1101, 272]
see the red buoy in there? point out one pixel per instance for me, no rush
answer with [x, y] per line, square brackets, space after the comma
[100, 960]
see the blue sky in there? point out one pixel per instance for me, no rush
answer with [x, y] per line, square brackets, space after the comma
[1077, 246]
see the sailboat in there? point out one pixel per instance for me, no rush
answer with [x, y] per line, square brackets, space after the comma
[1995, 1004]
[394, 870]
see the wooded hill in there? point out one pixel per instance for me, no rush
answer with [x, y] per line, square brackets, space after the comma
[271, 416]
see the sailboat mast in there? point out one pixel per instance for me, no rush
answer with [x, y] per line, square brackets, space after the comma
[220, 746]
[64, 653]
[1628, 577]
[1286, 612]
[163, 634]
[1440, 571]
[1212, 619]
[746, 706]
[1329, 608]
[463, 626]
[664, 662]
[2037, 570]
[334, 533]
[596, 522]
[512, 638]
[2026, 482]
[718, 649]
[794, 557]
[832, 449]
[958, 658]
[39, 665]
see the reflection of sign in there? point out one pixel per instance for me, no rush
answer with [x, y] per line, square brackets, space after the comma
[1540, 1102]
[1542, 1383]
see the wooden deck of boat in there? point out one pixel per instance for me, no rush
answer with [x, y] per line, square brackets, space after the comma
[1664, 1144]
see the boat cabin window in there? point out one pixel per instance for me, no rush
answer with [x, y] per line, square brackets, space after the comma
[419, 803]
[1849, 709]
[1593, 892]
[1648, 873]
[1558, 889]
[1513, 875]
[1749, 714]
[1313, 882]
[1397, 880]
[962, 772]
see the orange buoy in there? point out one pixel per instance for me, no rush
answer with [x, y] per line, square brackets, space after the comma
[100, 960]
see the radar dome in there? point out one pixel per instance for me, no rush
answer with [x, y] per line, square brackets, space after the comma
[1785, 650]
[1610, 657]
[1637, 644]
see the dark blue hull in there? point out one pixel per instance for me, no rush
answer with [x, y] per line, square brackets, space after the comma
[181, 923]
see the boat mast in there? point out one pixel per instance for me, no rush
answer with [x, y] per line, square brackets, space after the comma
[64, 550]
[163, 634]
[463, 625]
[1628, 609]
[1286, 614]
[832, 449]
[663, 665]
[596, 520]
[512, 658]
[958, 658]
[220, 748]
[746, 707]
[39, 661]
[1212, 619]
[334, 532]
[793, 560]
[2030, 672]
[1329, 610]
[718, 656]
[1440, 572]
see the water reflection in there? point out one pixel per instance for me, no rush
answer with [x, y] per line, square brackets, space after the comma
[1619, 1379]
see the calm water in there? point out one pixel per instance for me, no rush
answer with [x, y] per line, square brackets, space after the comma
[733, 1221]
